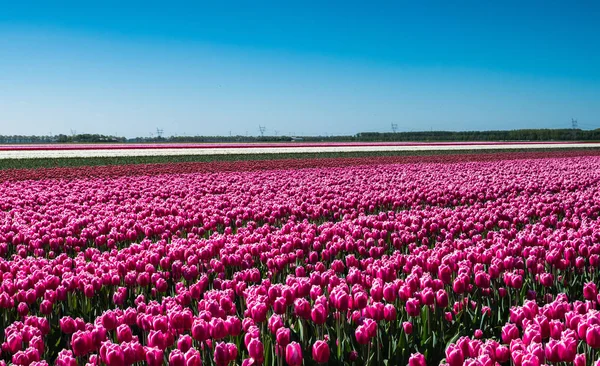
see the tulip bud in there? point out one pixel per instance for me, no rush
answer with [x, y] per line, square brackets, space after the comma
[413, 307]
[551, 351]
[109, 320]
[124, 333]
[579, 360]
[283, 336]
[177, 358]
[318, 314]
[184, 343]
[362, 335]
[256, 349]
[293, 354]
[221, 355]
[154, 356]
[454, 355]
[482, 280]
[15, 342]
[502, 354]
[590, 291]
[441, 298]
[417, 359]
[320, 351]
[389, 312]
[200, 330]
[509, 332]
[81, 343]
[592, 336]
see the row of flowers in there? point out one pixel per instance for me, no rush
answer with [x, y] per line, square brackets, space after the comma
[178, 166]
[56, 216]
[413, 259]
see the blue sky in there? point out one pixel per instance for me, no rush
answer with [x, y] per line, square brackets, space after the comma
[297, 67]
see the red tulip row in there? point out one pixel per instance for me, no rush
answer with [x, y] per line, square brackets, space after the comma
[176, 167]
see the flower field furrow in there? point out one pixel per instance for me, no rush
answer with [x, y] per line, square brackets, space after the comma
[132, 167]
[491, 262]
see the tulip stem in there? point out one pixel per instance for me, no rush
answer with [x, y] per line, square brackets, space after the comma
[338, 341]
[377, 343]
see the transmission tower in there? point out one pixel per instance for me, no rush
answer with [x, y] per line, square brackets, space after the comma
[262, 130]
[573, 123]
[394, 127]
[159, 132]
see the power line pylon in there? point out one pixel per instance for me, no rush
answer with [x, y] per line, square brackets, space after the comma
[574, 127]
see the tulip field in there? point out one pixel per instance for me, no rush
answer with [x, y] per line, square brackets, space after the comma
[483, 261]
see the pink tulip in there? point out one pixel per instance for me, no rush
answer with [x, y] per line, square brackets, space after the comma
[124, 333]
[154, 356]
[592, 336]
[417, 359]
[255, 349]
[580, 360]
[407, 327]
[362, 335]
[283, 336]
[320, 351]
[509, 332]
[221, 354]
[590, 291]
[293, 354]
[454, 356]
[413, 307]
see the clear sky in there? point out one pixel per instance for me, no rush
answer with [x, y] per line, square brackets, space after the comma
[322, 67]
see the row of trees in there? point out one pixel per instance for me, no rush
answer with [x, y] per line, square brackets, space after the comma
[503, 135]
[507, 135]
[64, 139]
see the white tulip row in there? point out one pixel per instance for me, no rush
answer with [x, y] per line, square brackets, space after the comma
[275, 150]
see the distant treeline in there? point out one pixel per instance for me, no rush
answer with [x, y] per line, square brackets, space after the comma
[61, 139]
[174, 139]
[509, 135]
